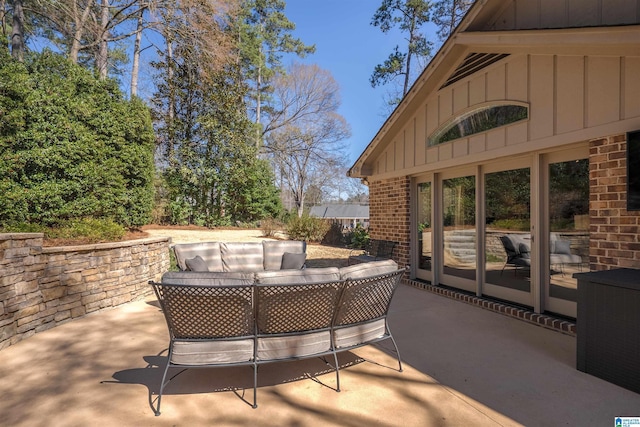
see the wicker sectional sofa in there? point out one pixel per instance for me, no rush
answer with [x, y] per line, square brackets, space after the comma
[251, 318]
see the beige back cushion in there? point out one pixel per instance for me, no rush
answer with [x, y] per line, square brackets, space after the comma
[242, 257]
[274, 249]
[208, 251]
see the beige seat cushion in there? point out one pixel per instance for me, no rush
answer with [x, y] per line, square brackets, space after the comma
[293, 346]
[358, 334]
[368, 269]
[212, 352]
[290, 277]
[206, 278]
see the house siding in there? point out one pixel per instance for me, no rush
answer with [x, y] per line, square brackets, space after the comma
[524, 14]
[570, 99]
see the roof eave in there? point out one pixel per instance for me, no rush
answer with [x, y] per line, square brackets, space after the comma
[475, 10]
[620, 40]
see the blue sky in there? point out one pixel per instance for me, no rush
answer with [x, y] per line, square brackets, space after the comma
[350, 48]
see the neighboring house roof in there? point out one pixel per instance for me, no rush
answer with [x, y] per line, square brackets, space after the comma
[340, 211]
[494, 29]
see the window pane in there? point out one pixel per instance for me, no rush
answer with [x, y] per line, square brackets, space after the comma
[507, 235]
[459, 221]
[569, 226]
[481, 120]
[424, 226]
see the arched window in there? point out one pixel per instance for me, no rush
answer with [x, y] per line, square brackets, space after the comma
[479, 119]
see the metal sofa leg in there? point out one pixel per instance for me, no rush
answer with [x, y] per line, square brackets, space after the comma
[335, 358]
[255, 386]
[162, 384]
[397, 352]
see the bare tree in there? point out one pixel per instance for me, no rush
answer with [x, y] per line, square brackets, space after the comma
[17, 31]
[137, 49]
[305, 132]
[102, 57]
[88, 26]
[3, 20]
[300, 94]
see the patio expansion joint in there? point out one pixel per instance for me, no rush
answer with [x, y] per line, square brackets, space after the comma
[549, 322]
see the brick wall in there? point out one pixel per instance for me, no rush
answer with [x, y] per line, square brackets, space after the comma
[44, 287]
[614, 231]
[389, 214]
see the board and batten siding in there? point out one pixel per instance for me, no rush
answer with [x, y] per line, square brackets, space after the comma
[523, 14]
[571, 99]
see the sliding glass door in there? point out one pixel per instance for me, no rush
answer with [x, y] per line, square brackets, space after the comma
[507, 233]
[567, 225]
[513, 230]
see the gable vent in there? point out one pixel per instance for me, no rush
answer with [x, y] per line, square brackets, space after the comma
[472, 63]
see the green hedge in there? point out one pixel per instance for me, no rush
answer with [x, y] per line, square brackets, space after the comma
[71, 146]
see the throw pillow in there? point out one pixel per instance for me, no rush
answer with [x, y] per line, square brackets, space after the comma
[291, 261]
[562, 247]
[196, 264]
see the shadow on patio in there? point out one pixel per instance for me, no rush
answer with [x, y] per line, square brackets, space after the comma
[463, 366]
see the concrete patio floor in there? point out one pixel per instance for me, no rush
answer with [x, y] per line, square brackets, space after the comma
[463, 366]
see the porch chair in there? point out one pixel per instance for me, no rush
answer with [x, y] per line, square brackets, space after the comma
[518, 252]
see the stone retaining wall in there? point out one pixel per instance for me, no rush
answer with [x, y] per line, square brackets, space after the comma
[42, 287]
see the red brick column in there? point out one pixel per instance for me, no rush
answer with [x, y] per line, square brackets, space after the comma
[389, 214]
[614, 231]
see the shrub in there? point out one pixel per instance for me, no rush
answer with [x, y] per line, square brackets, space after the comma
[307, 228]
[22, 227]
[71, 146]
[512, 224]
[95, 230]
[88, 230]
[358, 238]
[334, 236]
[270, 227]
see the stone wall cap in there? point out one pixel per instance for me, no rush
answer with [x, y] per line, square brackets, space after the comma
[110, 245]
[21, 236]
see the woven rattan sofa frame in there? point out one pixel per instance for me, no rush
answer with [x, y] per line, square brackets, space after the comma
[183, 305]
[255, 312]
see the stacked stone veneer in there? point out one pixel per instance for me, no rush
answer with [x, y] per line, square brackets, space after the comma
[389, 214]
[41, 287]
[614, 231]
